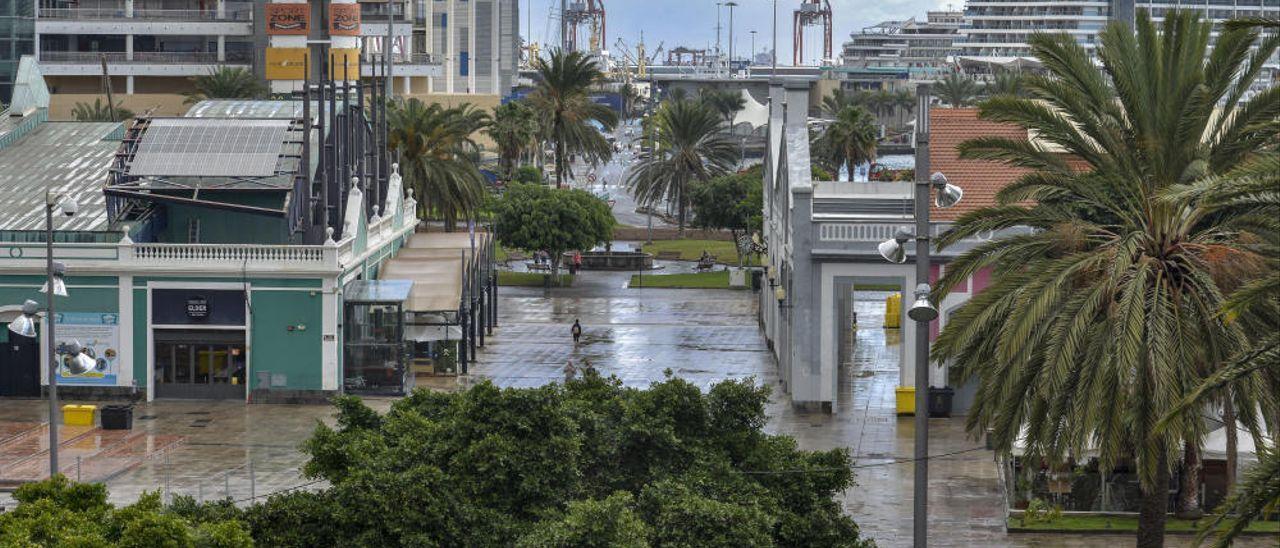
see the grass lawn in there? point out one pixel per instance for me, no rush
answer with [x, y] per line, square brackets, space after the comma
[1125, 524]
[691, 250]
[692, 280]
[530, 279]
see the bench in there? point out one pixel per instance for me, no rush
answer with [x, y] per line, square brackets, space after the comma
[707, 264]
[538, 267]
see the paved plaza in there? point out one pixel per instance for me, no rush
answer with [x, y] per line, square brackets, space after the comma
[700, 335]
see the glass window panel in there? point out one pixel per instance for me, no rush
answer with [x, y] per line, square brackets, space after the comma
[182, 358]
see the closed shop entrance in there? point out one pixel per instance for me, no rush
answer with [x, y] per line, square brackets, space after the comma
[200, 364]
[198, 343]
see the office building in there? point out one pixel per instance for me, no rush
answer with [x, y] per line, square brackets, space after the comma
[478, 41]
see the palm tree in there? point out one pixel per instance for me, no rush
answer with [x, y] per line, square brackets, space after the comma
[515, 131]
[905, 103]
[629, 98]
[956, 90]
[1249, 197]
[438, 157]
[566, 111]
[1006, 83]
[689, 145]
[839, 99]
[227, 83]
[725, 102]
[1103, 318]
[849, 141]
[99, 112]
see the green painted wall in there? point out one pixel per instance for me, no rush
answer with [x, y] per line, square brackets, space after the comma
[220, 226]
[297, 353]
[103, 296]
[140, 371]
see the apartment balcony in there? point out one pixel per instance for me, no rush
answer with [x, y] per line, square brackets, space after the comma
[138, 63]
[411, 64]
[236, 19]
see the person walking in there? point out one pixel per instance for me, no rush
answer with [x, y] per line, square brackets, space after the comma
[577, 262]
[569, 371]
[576, 330]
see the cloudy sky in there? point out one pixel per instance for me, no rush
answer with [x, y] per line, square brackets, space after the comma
[692, 22]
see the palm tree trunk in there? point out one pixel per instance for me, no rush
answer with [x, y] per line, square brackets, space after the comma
[559, 163]
[1154, 508]
[1229, 417]
[1189, 502]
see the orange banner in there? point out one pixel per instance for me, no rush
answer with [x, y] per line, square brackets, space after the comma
[288, 19]
[344, 19]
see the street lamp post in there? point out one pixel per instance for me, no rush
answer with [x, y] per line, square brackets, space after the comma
[774, 53]
[922, 310]
[24, 325]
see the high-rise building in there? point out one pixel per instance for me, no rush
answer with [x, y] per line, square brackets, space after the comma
[156, 46]
[902, 50]
[998, 29]
[478, 41]
[17, 38]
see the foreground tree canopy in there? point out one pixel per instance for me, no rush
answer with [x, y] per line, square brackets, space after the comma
[586, 464]
[535, 217]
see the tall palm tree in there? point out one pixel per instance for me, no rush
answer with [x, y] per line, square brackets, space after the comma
[227, 83]
[849, 141]
[725, 102]
[515, 131]
[1100, 321]
[956, 90]
[1249, 197]
[689, 144]
[438, 157]
[566, 111]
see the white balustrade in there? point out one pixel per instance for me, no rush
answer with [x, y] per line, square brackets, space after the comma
[238, 253]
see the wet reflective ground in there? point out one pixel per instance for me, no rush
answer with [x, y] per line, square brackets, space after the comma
[636, 334]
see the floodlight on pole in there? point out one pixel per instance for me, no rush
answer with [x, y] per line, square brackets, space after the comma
[947, 194]
[894, 249]
[922, 310]
[25, 323]
[59, 283]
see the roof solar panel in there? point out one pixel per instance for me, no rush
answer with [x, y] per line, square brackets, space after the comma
[209, 147]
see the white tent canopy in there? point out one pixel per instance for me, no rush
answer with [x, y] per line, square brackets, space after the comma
[752, 112]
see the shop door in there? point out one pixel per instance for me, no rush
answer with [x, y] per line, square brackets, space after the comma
[20, 367]
[200, 365]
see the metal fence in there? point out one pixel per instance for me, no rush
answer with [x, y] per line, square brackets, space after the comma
[242, 11]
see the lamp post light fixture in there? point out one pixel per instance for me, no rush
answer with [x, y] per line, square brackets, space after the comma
[24, 325]
[922, 311]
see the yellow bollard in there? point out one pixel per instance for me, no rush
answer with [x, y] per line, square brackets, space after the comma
[893, 311]
[906, 396]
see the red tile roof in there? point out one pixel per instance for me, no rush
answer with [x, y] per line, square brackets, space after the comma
[980, 179]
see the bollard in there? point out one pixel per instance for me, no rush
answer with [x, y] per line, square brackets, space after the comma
[166, 477]
[78, 469]
[226, 483]
[253, 486]
[200, 493]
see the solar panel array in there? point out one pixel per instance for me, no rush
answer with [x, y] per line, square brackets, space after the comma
[209, 147]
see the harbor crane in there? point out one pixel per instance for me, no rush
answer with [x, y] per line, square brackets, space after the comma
[811, 13]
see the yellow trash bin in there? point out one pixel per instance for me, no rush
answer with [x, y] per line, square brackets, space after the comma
[906, 396]
[78, 415]
[893, 311]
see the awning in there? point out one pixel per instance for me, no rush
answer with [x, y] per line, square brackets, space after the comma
[427, 333]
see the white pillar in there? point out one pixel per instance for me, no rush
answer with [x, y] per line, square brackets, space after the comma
[221, 9]
[450, 53]
[495, 31]
[128, 85]
[128, 8]
[329, 334]
[222, 48]
[125, 360]
[128, 47]
[471, 47]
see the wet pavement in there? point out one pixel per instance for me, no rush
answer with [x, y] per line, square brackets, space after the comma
[237, 450]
